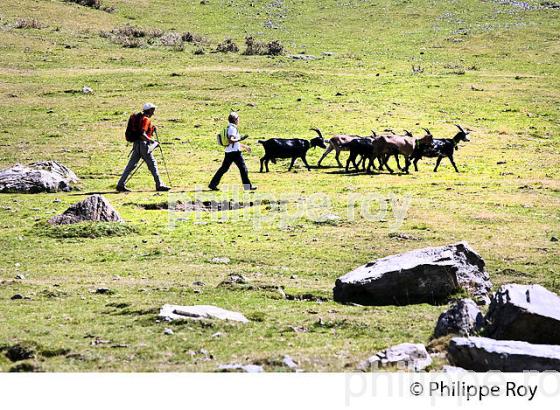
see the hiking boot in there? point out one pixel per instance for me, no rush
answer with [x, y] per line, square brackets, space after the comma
[163, 188]
[213, 188]
[251, 188]
[122, 188]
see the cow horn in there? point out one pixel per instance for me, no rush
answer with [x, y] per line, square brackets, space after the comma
[461, 129]
[427, 131]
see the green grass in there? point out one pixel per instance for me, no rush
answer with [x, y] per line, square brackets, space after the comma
[492, 68]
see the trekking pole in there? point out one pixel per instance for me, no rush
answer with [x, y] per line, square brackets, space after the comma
[163, 158]
[134, 172]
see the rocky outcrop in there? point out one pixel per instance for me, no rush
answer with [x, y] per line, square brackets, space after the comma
[199, 312]
[528, 313]
[428, 275]
[483, 354]
[46, 176]
[463, 318]
[93, 208]
[406, 356]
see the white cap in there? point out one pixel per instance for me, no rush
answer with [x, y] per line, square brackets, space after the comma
[148, 106]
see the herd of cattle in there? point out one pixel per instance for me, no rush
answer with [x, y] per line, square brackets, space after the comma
[366, 149]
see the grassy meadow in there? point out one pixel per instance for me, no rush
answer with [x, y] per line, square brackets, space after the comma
[491, 66]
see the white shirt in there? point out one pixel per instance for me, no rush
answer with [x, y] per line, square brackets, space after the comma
[233, 133]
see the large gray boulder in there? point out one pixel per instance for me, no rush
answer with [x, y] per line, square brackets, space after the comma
[406, 356]
[93, 208]
[524, 312]
[199, 312]
[483, 354]
[463, 318]
[428, 275]
[46, 176]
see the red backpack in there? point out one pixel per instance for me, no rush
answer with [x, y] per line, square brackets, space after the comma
[134, 127]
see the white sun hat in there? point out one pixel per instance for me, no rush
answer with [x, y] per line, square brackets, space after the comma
[148, 106]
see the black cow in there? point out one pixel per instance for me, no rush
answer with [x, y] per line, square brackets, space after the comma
[440, 148]
[293, 148]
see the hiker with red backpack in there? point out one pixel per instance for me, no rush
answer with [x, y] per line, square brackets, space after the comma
[229, 138]
[140, 132]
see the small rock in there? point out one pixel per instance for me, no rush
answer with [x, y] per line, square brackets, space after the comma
[248, 368]
[17, 296]
[103, 291]
[404, 356]
[218, 334]
[87, 90]
[199, 283]
[199, 312]
[289, 362]
[167, 331]
[221, 260]
[463, 318]
[234, 279]
[553, 239]
[293, 277]
[453, 369]
[93, 208]
[20, 277]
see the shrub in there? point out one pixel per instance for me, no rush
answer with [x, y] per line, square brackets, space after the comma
[94, 4]
[254, 47]
[227, 46]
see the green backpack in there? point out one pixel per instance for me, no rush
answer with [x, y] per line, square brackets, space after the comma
[223, 138]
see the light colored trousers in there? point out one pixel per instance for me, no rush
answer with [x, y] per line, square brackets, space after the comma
[140, 150]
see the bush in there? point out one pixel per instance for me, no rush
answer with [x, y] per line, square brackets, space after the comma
[94, 4]
[227, 46]
[259, 48]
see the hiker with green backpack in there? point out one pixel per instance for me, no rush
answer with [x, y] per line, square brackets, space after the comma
[230, 139]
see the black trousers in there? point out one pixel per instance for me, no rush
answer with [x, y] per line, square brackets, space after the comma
[232, 157]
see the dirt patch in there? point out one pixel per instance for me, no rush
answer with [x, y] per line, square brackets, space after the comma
[194, 206]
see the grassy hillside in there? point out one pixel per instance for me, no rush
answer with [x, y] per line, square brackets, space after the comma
[490, 66]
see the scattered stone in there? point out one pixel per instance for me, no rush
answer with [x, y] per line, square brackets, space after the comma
[530, 313]
[20, 277]
[221, 260]
[234, 279]
[93, 208]
[406, 356]
[299, 329]
[103, 291]
[87, 90]
[303, 57]
[248, 368]
[327, 219]
[553, 239]
[47, 176]
[482, 354]
[293, 277]
[199, 312]
[427, 275]
[167, 331]
[327, 53]
[218, 334]
[289, 363]
[463, 318]
[20, 351]
[199, 283]
[453, 370]
[17, 296]
[402, 236]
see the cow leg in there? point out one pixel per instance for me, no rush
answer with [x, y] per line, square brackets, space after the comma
[305, 162]
[437, 163]
[416, 164]
[348, 163]
[398, 162]
[292, 163]
[327, 151]
[262, 162]
[337, 156]
[453, 163]
[407, 164]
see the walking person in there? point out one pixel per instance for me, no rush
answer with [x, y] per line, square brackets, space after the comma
[233, 155]
[140, 132]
